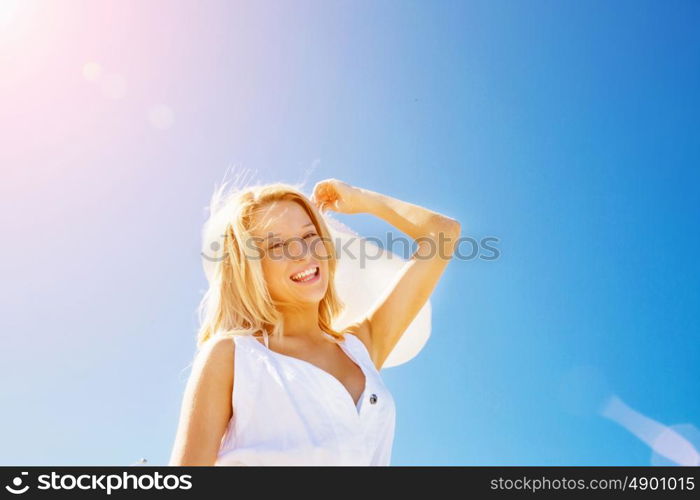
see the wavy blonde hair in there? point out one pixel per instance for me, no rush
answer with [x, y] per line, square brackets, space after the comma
[238, 301]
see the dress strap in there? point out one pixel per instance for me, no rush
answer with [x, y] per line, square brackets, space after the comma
[267, 342]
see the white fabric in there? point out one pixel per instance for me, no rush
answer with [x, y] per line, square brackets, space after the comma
[288, 411]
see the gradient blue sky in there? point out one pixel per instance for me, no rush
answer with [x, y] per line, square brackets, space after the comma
[567, 130]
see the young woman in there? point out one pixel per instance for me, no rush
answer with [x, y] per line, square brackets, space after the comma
[272, 382]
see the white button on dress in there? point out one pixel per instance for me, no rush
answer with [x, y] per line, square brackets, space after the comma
[288, 411]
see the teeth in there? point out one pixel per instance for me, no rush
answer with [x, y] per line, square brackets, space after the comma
[304, 274]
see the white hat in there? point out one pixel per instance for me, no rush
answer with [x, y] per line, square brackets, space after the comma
[362, 278]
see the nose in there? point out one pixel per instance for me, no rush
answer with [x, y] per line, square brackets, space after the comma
[298, 249]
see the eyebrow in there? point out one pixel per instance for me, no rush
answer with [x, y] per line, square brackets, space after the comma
[277, 234]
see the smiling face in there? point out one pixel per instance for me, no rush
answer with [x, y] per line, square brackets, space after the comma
[295, 260]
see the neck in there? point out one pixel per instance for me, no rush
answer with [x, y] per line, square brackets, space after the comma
[303, 323]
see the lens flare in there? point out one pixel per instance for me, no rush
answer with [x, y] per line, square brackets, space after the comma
[663, 440]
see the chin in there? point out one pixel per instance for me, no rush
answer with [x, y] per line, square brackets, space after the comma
[312, 296]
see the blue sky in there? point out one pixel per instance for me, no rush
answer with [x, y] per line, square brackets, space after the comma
[567, 130]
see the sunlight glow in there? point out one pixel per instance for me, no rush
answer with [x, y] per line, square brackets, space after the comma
[161, 117]
[8, 12]
[92, 71]
[113, 86]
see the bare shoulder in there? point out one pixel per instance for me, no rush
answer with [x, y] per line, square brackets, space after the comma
[215, 358]
[363, 331]
[217, 348]
[206, 406]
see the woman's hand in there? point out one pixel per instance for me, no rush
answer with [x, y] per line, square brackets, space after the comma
[339, 196]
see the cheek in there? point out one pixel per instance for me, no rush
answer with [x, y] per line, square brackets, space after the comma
[321, 250]
[275, 275]
[325, 267]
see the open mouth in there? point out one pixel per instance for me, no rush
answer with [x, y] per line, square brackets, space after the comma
[306, 276]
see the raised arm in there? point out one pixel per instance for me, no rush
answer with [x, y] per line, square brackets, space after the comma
[436, 236]
[206, 406]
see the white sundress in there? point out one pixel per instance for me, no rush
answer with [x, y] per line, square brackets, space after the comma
[288, 411]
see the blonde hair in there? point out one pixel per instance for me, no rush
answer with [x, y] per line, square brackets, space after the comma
[238, 300]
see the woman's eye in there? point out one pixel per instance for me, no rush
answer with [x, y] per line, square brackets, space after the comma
[279, 244]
